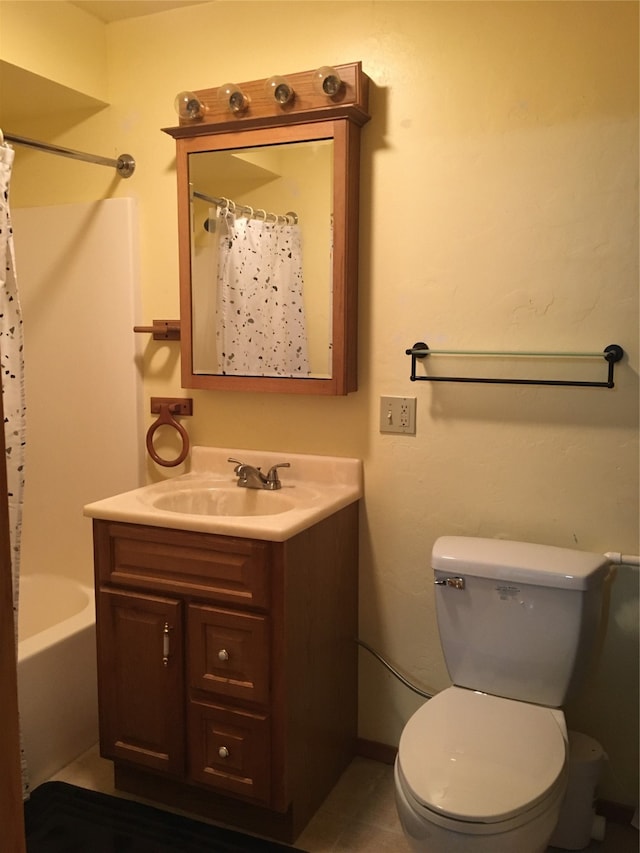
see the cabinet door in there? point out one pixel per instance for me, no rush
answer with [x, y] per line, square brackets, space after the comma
[141, 680]
[228, 653]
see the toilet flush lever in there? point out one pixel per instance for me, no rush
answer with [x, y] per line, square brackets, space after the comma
[456, 583]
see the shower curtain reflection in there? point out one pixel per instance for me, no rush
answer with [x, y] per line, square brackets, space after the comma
[260, 318]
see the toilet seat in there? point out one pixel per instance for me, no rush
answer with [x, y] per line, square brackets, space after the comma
[480, 759]
[549, 805]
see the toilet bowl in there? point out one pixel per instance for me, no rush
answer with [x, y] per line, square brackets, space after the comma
[481, 773]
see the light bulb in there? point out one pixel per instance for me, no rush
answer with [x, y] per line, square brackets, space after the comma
[234, 98]
[280, 90]
[188, 105]
[327, 80]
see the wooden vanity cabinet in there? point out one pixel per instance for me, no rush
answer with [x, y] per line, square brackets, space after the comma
[227, 668]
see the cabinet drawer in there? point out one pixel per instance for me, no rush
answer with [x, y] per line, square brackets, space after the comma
[228, 653]
[215, 568]
[230, 750]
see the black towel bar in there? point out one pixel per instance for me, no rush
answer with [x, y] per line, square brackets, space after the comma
[612, 354]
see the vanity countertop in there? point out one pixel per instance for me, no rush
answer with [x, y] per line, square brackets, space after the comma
[208, 500]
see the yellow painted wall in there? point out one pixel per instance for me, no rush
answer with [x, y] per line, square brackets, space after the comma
[499, 210]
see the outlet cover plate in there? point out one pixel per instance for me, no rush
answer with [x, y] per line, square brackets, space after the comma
[398, 415]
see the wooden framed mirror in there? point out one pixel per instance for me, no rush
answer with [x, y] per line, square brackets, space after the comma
[268, 232]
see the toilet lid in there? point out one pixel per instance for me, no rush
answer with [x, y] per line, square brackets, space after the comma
[481, 758]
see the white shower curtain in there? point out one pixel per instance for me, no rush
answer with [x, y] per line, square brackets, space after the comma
[260, 319]
[13, 396]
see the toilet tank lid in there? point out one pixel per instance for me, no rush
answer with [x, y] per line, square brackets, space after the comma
[522, 562]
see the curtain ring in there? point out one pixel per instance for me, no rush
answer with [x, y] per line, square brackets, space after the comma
[248, 208]
[166, 418]
[261, 214]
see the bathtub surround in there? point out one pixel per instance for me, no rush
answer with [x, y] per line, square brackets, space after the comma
[79, 282]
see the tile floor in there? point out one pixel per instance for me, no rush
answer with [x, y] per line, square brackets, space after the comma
[358, 816]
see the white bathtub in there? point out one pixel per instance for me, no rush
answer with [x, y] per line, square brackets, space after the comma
[56, 672]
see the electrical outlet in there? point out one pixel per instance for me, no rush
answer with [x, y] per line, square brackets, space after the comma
[398, 414]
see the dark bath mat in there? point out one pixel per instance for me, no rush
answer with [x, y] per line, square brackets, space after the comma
[62, 818]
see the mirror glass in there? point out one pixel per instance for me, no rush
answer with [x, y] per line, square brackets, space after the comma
[261, 238]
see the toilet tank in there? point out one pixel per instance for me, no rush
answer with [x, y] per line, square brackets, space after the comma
[516, 619]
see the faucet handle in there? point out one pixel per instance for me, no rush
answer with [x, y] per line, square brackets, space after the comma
[238, 464]
[273, 481]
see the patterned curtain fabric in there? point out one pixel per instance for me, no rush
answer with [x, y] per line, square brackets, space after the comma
[260, 319]
[13, 396]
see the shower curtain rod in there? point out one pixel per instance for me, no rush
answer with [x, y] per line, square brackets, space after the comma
[254, 213]
[124, 165]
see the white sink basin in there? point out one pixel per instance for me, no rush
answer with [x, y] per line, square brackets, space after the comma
[224, 501]
[208, 499]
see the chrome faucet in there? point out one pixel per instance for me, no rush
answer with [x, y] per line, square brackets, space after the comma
[253, 478]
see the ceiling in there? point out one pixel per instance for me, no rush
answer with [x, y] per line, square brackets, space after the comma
[118, 10]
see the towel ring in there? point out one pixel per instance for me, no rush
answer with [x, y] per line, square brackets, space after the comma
[166, 418]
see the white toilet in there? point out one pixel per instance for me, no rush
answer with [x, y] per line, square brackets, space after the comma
[482, 767]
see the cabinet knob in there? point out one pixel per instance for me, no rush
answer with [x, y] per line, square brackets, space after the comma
[223, 752]
[223, 654]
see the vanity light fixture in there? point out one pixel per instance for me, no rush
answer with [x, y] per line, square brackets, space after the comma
[280, 90]
[326, 79]
[233, 97]
[188, 105]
